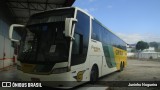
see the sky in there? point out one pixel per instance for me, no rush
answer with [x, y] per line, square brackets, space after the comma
[131, 20]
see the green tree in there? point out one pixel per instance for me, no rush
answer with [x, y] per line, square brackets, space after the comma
[141, 45]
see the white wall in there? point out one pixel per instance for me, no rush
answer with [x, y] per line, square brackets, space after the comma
[130, 54]
[6, 19]
[147, 55]
[5, 46]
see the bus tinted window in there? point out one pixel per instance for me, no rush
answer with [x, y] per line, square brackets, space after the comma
[103, 35]
[51, 16]
[96, 31]
[81, 29]
[106, 36]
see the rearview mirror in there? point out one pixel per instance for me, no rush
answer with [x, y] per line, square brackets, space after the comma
[11, 31]
[68, 26]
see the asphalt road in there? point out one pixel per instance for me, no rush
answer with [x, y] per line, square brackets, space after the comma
[136, 70]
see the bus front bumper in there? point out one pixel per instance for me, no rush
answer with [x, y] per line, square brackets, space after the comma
[63, 80]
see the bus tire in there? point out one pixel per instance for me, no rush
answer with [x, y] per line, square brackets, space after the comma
[94, 74]
[121, 67]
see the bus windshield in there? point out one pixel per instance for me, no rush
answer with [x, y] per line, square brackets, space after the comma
[44, 40]
[44, 43]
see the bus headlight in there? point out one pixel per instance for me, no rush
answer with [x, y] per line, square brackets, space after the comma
[60, 70]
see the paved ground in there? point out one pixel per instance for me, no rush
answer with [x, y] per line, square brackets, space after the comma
[136, 70]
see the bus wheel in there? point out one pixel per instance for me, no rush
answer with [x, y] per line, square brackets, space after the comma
[121, 67]
[94, 74]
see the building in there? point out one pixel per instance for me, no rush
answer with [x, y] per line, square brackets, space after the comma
[148, 54]
[150, 49]
[131, 50]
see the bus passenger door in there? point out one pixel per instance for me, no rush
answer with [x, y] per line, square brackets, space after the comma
[78, 59]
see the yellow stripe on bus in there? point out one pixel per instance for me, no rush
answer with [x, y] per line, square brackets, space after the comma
[120, 56]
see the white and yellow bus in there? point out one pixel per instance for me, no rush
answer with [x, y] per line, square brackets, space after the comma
[67, 44]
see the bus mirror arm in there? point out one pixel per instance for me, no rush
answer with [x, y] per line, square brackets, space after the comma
[11, 31]
[69, 32]
[69, 27]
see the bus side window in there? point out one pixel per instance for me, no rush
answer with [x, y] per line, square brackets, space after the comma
[81, 42]
[96, 35]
